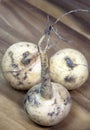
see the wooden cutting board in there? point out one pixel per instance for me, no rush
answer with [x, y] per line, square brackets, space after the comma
[20, 21]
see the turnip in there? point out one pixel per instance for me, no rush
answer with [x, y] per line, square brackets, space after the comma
[69, 67]
[47, 103]
[21, 65]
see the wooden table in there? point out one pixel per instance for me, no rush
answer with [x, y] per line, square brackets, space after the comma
[20, 21]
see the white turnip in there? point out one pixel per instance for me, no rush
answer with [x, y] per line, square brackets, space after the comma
[69, 67]
[21, 65]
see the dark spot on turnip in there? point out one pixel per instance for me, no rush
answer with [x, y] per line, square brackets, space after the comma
[36, 102]
[15, 74]
[10, 53]
[26, 59]
[68, 100]
[32, 98]
[14, 65]
[69, 79]
[25, 54]
[55, 112]
[51, 114]
[20, 83]
[58, 111]
[25, 76]
[69, 62]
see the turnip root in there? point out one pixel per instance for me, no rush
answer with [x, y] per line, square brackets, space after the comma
[21, 65]
[47, 103]
[69, 67]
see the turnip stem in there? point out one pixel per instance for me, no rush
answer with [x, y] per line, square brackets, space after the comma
[46, 88]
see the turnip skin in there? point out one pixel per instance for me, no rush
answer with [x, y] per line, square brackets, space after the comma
[47, 112]
[21, 65]
[69, 67]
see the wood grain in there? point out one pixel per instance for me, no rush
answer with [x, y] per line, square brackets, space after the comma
[20, 21]
[76, 23]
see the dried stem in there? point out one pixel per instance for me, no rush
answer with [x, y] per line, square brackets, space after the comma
[46, 88]
[51, 27]
[60, 36]
[72, 11]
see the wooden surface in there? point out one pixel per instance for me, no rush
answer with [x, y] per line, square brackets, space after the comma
[59, 7]
[20, 21]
